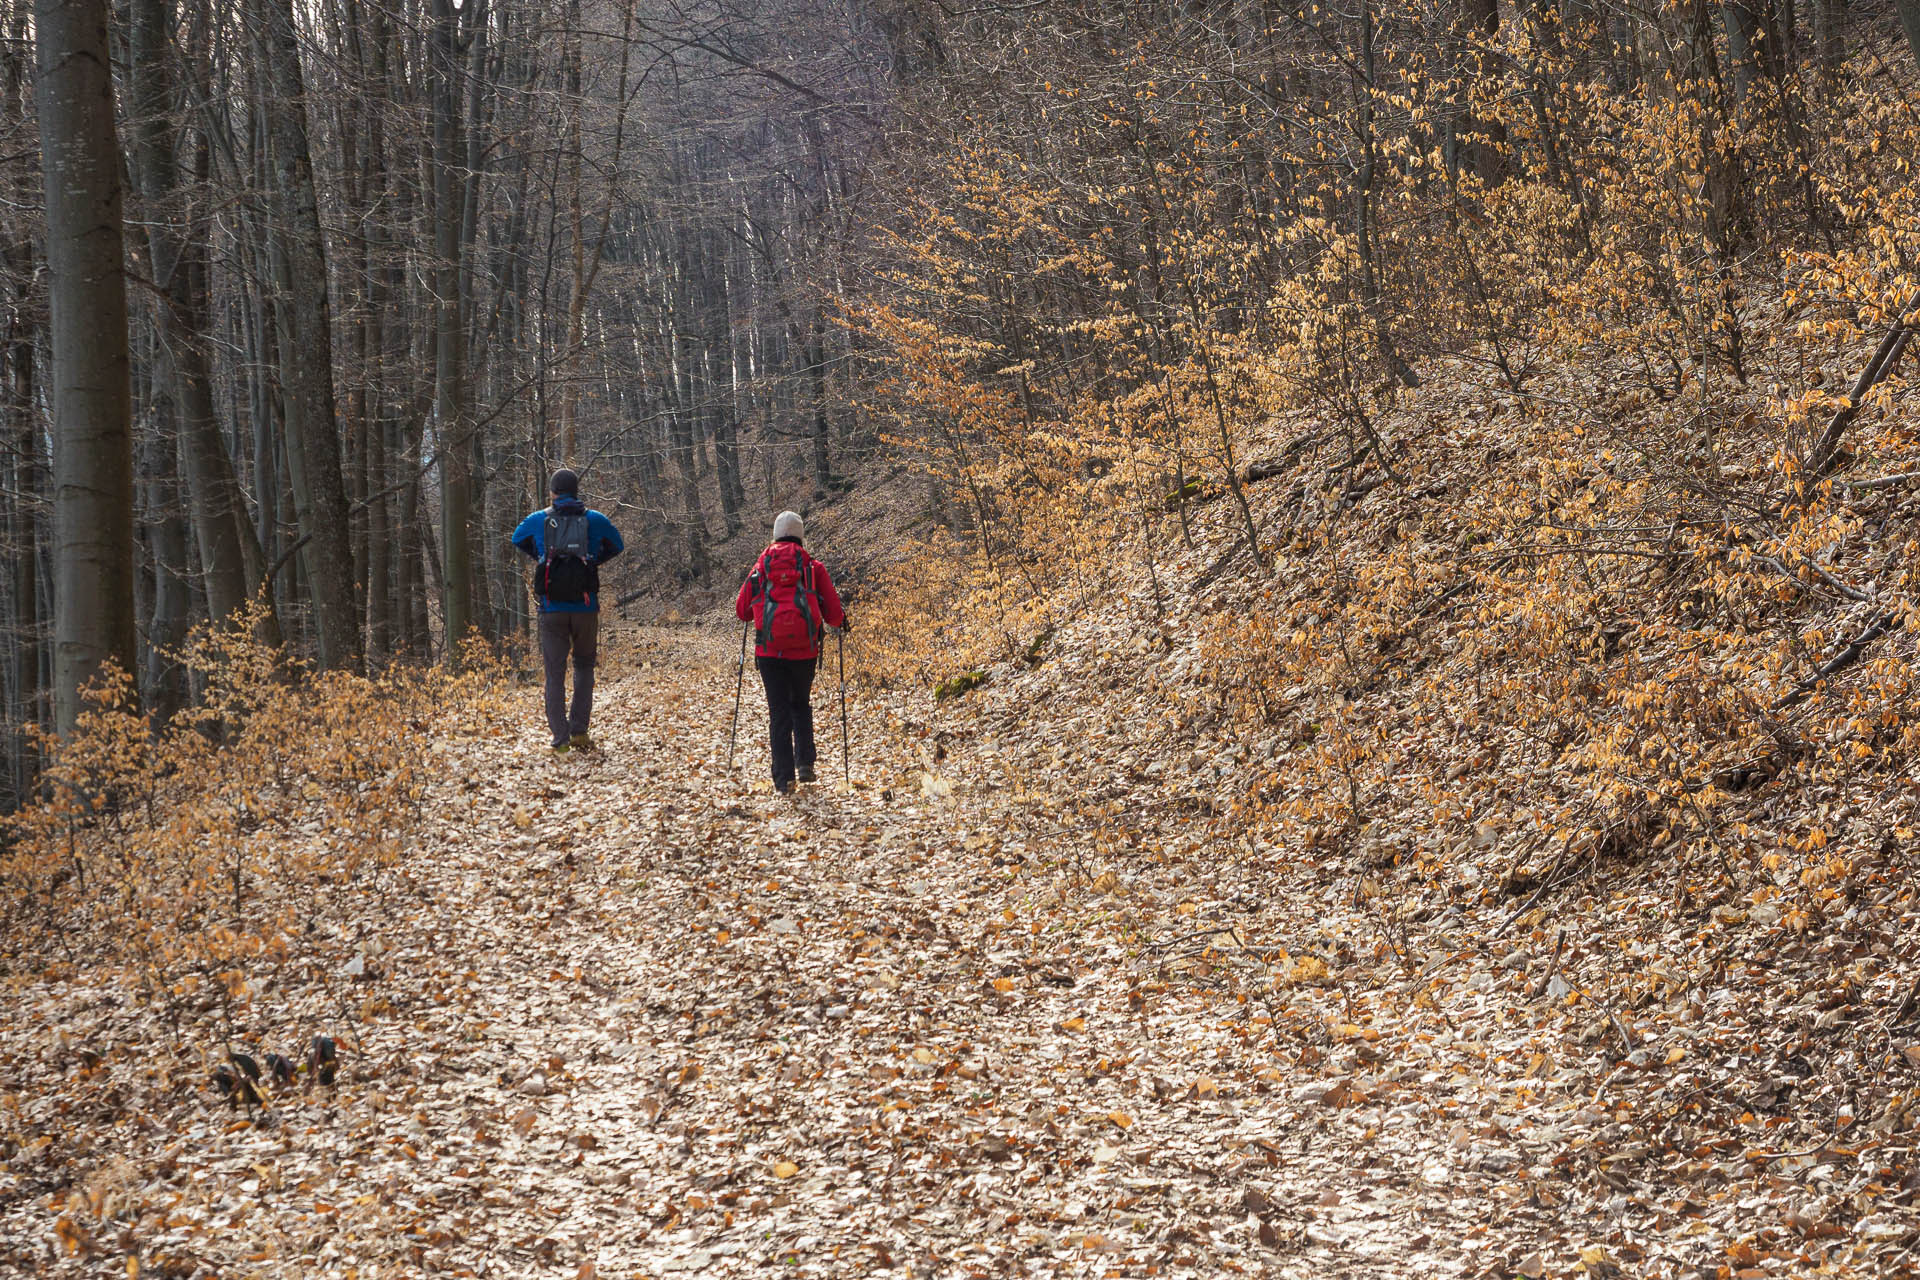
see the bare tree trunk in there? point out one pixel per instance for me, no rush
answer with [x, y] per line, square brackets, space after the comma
[1829, 34]
[1485, 151]
[1909, 11]
[370, 47]
[1749, 55]
[403, 355]
[680, 413]
[230, 556]
[452, 448]
[718, 356]
[482, 553]
[411, 585]
[164, 683]
[1363, 184]
[570, 55]
[92, 396]
[816, 357]
[585, 262]
[263, 408]
[26, 706]
[736, 293]
[299, 263]
[24, 536]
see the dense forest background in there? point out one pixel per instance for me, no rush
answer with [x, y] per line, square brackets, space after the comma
[388, 264]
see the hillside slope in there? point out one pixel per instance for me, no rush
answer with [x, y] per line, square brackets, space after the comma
[1569, 766]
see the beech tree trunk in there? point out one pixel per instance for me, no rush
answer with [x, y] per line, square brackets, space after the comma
[24, 529]
[230, 556]
[304, 328]
[1829, 34]
[1909, 11]
[451, 446]
[163, 684]
[1485, 149]
[93, 549]
[1753, 45]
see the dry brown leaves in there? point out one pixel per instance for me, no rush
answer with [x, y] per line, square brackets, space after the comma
[626, 1015]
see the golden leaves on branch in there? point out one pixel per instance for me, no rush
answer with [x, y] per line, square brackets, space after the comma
[208, 847]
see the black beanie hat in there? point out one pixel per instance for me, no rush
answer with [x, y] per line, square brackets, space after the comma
[565, 483]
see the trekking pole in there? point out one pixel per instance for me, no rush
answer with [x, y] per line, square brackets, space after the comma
[846, 766]
[739, 680]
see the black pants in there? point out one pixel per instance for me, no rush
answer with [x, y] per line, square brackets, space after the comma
[789, 683]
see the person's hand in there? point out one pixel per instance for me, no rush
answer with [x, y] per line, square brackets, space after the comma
[846, 625]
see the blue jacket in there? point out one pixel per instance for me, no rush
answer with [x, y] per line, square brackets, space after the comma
[602, 539]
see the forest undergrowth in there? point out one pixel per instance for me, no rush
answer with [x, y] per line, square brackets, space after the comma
[1617, 793]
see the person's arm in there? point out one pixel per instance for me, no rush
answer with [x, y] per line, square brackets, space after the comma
[830, 609]
[523, 538]
[743, 603]
[610, 543]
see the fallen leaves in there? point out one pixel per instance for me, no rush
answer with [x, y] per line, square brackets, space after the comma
[1308, 970]
[908, 1058]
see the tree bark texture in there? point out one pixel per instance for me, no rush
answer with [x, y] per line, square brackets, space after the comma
[304, 329]
[230, 556]
[93, 546]
[452, 448]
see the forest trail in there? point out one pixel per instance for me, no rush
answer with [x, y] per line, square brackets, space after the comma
[689, 1025]
[1025, 1000]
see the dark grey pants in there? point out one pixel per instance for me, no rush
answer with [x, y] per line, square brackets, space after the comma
[560, 632]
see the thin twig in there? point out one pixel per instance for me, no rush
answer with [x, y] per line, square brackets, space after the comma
[1554, 963]
[1882, 482]
[1546, 882]
[1189, 937]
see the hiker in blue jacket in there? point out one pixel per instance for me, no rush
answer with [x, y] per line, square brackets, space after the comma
[568, 544]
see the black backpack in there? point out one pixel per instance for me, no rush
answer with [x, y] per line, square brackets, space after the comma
[567, 574]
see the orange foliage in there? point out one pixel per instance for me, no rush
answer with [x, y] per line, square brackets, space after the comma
[203, 852]
[1595, 575]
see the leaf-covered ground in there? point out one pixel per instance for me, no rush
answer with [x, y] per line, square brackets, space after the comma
[1018, 1002]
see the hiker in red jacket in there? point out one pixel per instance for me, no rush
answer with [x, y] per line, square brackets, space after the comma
[790, 600]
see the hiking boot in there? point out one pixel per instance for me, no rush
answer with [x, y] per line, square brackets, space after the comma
[784, 788]
[581, 742]
[806, 773]
[560, 748]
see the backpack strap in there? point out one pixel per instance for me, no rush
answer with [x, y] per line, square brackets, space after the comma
[763, 597]
[806, 597]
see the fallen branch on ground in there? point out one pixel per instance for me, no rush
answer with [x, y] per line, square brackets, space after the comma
[1877, 626]
[1826, 452]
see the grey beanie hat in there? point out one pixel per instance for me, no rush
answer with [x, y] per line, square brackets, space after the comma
[565, 482]
[788, 524]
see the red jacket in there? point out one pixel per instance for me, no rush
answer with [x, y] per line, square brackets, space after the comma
[787, 555]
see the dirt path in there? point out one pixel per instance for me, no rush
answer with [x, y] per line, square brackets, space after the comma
[694, 1026]
[1017, 1003]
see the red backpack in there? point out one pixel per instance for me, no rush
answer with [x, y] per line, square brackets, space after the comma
[786, 603]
